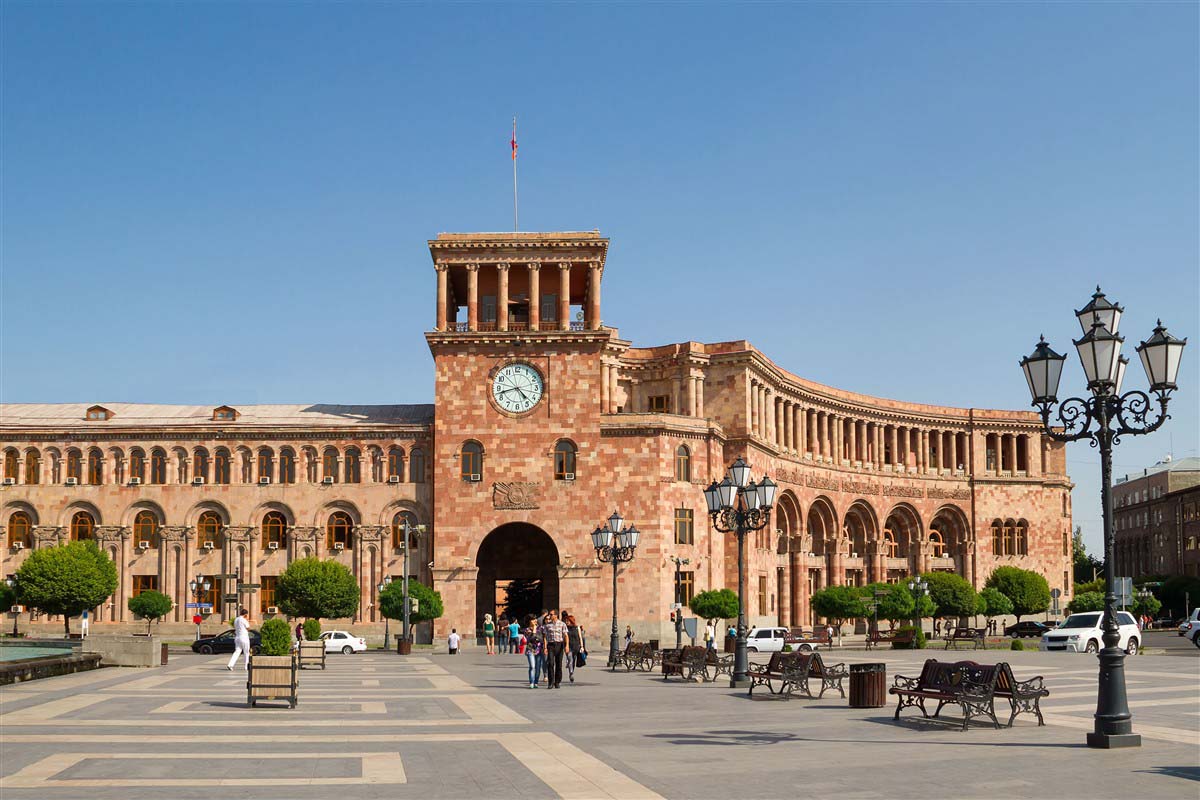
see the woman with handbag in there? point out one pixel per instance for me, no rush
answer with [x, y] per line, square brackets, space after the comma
[534, 654]
[576, 646]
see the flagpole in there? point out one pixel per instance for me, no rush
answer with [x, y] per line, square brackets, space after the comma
[514, 160]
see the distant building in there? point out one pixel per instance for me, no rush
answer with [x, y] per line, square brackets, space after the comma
[1157, 520]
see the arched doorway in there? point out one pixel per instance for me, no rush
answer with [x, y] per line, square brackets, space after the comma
[518, 563]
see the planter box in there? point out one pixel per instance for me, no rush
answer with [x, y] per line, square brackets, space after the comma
[312, 654]
[272, 678]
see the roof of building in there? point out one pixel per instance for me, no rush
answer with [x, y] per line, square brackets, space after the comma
[1189, 464]
[326, 415]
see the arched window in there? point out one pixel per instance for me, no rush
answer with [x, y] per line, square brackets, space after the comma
[200, 464]
[472, 461]
[416, 465]
[74, 465]
[329, 464]
[997, 537]
[274, 530]
[338, 531]
[266, 464]
[398, 529]
[353, 466]
[83, 526]
[564, 461]
[396, 464]
[20, 529]
[145, 529]
[137, 465]
[937, 544]
[890, 548]
[11, 462]
[208, 531]
[158, 466]
[221, 466]
[287, 465]
[683, 464]
[33, 467]
[1021, 543]
[95, 467]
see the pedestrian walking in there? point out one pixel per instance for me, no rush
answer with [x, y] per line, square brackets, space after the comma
[453, 641]
[628, 636]
[534, 655]
[710, 636]
[502, 635]
[514, 636]
[576, 646]
[299, 631]
[555, 634]
[489, 634]
[241, 640]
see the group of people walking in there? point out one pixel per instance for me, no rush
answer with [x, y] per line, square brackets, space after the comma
[550, 642]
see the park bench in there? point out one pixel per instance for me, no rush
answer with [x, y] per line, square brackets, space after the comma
[687, 663]
[716, 664]
[815, 640]
[972, 635]
[831, 675]
[876, 638]
[776, 670]
[970, 686]
[1023, 696]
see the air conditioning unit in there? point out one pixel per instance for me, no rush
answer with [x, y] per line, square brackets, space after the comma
[143, 545]
[10, 481]
[264, 481]
[272, 545]
[18, 545]
[339, 546]
[393, 478]
[198, 480]
[475, 477]
[272, 609]
[17, 610]
[72, 481]
[570, 476]
[135, 481]
[206, 545]
[327, 480]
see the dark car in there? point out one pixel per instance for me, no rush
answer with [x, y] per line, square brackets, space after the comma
[223, 643]
[1030, 628]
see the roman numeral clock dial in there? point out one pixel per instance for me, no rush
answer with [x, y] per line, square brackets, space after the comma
[517, 387]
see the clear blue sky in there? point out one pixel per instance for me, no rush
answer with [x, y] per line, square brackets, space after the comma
[228, 203]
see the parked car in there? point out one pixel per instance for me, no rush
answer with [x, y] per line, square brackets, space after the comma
[1081, 633]
[772, 640]
[342, 642]
[1189, 625]
[1031, 628]
[223, 643]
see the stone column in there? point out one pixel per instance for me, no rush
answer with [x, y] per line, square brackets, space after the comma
[953, 452]
[593, 308]
[677, 395]
[700, 397]
[614, 385]
[605, 389]
[769, 408]
[922, 451]
[535, 296]
[838, 434]
[472, 297]
[853, 442]
[564, 296]
[253, 467]
[789, 428]
[814, 435]
[752, 408]
[783, 596]
[442, 298]
[822, 434]
[502, 297]
[691, 396]
[1010, 445]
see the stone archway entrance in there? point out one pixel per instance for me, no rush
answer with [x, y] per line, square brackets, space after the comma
[522, 557]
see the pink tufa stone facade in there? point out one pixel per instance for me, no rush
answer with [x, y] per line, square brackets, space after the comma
[870, 489]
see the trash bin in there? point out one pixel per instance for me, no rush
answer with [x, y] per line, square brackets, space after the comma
[654, 644]
[730, 644]
[403, 646]
[868, 685]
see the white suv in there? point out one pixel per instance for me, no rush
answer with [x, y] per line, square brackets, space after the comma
[1190, 627]
[1082, 633]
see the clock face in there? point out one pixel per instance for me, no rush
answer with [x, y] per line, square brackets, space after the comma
[517, 387]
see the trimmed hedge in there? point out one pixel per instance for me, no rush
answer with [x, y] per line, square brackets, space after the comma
[276, 637]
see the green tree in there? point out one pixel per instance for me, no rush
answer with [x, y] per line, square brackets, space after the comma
[994, 604]
[68, 579]
[1149, 606]
[429, 602]
[1084, 567]
[952, 595]
[839, 603]
[895, 602]
[715, 604]
[1028, 591]
[1086, 601]
[312, 630]
[1179, 594]
[151, 606]
[1090, 586]
[8, 596]
[318, 589]
[276, 638]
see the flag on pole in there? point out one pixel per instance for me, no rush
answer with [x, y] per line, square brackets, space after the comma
[514, 140]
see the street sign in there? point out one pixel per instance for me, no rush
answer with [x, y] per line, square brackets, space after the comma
[1056, 593]
[231, 598]
[1124, 591]
[199, 605]
[676, 606]
[197, 619]
[224, 576]
[250, 586]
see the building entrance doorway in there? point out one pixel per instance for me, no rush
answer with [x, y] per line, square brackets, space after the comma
[518, 573]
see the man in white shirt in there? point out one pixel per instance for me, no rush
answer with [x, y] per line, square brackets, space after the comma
[453, 640]
[241, 640]
[710, 636]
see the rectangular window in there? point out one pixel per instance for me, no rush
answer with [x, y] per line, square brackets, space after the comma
[684, 526]
[488, 308]
[549, 311]
[762, 595]
[144, 583]
[991, 459]
[685, 587]
[266, 592]
[659, 404]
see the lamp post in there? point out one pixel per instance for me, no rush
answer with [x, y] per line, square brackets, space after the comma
[199, 586]
[919, 588]
[873, 606]
[738, 505]
[615, 544]
[11, 580]
[1102, 419]
[679, 562]
[386, 582]
[409, 530]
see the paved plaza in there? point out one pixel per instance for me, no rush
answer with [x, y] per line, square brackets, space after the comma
[433, 726]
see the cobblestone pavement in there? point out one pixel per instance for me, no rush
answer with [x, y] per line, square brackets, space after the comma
[433, 726]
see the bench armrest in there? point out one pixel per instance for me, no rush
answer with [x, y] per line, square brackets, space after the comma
[836, 671]
[902, 682]
[1029, 688]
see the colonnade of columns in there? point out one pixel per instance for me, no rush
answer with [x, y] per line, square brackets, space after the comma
[559, 275]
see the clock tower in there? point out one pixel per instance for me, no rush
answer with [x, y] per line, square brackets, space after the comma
[523, 369]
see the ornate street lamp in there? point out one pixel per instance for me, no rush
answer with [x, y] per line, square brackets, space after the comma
[919, 588]
[200, 587]
[383, 584]
[11, 580]
[679, 562]
[406, 635]
[615, 544]
[1103, 419]
[738, 505]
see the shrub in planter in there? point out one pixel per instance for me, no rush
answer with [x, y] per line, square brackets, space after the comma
[1017, 644]
[918, 642]
[276, 638]
[787, 648]
[312, 629]
[273, 671]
